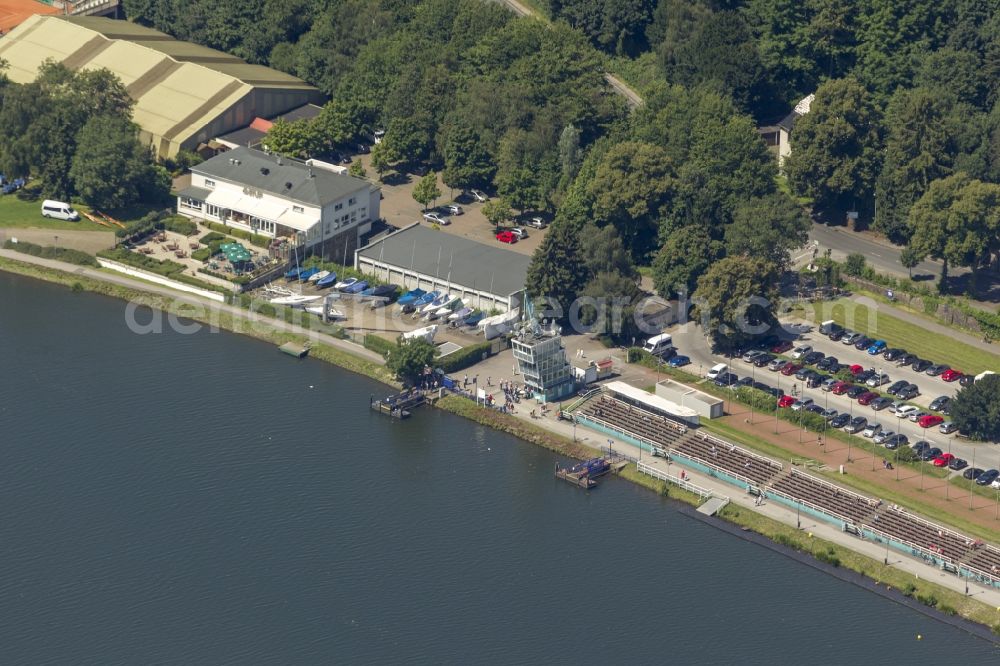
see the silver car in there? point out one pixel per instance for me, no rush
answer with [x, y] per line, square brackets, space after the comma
[452, 209]
[437, 219]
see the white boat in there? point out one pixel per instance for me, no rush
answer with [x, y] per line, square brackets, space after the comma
[435, 304]
[331, 313]
[426, 333]
[494, 327]
[344, 284]
[296, 299]
[316, 277]
[446, 309]
[461, 313]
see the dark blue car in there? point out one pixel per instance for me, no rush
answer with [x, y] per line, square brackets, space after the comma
[678, 361]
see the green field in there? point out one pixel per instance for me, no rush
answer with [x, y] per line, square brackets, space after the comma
[15, 213]
[911, 337]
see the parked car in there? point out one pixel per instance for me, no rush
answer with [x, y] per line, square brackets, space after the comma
[850, 337]
[930, 420]
[815, 409]
[801, 403]
[828, 383]
[947, 427]
[916, 416]
[762, 360]
[921, 365]
[936, 369]
[920, 447]
[752, 355]
[865, 375]
[786, 401]
[790, 369]
[856, 391]
[801, 351]
[895, 386]
[966, 380]
[882, 435]
[972, 473]
[930, 454]
[781, 347]
[813, 357]
[829, 414]
[987, 477]
[958, 463]
[943, 460]
[506, 237]
[856, 425]
[908, 392]
[437, 219]
[826, 363]
[452, 209]
[866, 398]
[878, 404]
[864, 342]
[777, 364]
[679, 361]
[804, 373]
[893, 354]
[939, 402]
[906, 410]
[951, 375]
[519, 232]
[841, 387]
[814, 380]
[837, 334]
[871, 430]
[744, 381]
[840, 421]
[877, 380]
[896, 441]
[479, 196]
[726, 379]
[877, 347]
[537, 223]
[907, 359]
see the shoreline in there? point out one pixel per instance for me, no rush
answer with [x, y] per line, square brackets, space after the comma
[859, 564]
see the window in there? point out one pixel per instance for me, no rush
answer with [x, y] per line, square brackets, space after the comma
[352, 201]
[363, 212]
[298, 209]
[212, 209]
[209, 183]
[338, 206]
[188, 202]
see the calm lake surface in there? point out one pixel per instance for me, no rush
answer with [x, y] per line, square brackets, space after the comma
[191, 499]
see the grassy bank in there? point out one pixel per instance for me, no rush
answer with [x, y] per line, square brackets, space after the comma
[915, 339]
[930, 594]
[15, 214]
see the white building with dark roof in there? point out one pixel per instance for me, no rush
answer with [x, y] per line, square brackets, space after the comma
[279, 197]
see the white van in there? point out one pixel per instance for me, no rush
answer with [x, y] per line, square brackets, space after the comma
[717, 370]
[59, 210]
[658, 344]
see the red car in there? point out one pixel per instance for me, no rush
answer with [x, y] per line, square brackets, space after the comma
[951, 375]
[840, 388]
[943, 460]
[781, 347]
[506, 237]
[866, 398]
[930, 420]
[857, 369]
[790, 369]
[785, 401]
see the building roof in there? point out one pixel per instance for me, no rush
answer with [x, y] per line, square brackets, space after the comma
[13, 12]
[178, 87]
[654, 401]
[254, 134]
[282, 177]
[692, 394]
[452, 258]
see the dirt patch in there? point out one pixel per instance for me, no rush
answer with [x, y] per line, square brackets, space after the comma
[936, 492]
[85, 241]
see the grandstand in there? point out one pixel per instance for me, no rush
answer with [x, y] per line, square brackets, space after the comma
[867, 517]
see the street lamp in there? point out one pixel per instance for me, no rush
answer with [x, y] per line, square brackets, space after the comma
[971, 479]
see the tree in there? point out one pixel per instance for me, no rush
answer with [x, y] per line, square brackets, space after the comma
[909, 259]
[467, 163]
[557, 274]
[357, 169]
[426, 190]
[855, 264]
[604, 252]
[380, 159]
[110, 165]
[295, 139]
[408, 359]
[684, 257]
[609, 306]
[835, 147]
[497, 211]
[976, 409]
[768, 228]
[631, 187]
[570, 153]
[736, 299]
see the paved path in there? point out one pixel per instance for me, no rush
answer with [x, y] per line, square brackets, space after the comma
[632, 97]
[237, 313]
[775, 510]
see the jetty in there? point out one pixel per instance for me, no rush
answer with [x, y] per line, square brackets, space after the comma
[584, 474]
[398, 406]
[294, 349]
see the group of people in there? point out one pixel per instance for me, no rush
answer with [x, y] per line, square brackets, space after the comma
[886, 464]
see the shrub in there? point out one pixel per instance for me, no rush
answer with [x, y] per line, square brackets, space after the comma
[203, 254]
[166, 267]
[909, 590]
[829, 556]
[759, 400]
[255, 239]
[906, 454]
[180, 225]
[855, 264]
[464, 357]
[49, 252]
[211, 236]
[377, 344]
[928, 600]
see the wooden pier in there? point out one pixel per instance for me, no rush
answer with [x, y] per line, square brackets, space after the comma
[577, 479]
[294, 349]
[398, 406]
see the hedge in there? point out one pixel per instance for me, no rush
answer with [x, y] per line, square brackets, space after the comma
[759, 400]
[48, 252]
[464, 357]
[377, 344]
[204, 254]
[211, 236]
[255, 239]
[166, 267]
[180, 225]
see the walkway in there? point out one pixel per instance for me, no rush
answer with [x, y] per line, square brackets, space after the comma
[237, 313]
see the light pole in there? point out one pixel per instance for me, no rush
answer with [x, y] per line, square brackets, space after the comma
[850, 440]
[753, 379]
[947, 484]
[776, 408]
[971, 479]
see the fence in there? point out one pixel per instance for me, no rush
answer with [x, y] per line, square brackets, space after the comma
[684, 484]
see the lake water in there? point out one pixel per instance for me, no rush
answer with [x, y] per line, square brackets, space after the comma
[201, 498]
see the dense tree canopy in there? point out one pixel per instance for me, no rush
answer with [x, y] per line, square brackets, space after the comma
[976, 409]
[736, 299]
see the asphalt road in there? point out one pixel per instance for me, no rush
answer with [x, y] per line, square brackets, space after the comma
[691, 342]
[882, 256]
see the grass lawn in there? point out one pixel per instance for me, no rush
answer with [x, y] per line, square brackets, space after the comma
[915, 339]
[15, 213]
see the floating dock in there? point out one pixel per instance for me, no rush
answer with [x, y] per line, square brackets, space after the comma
[576, 479]
[398, 406]
[294, 349]
[584, 474]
